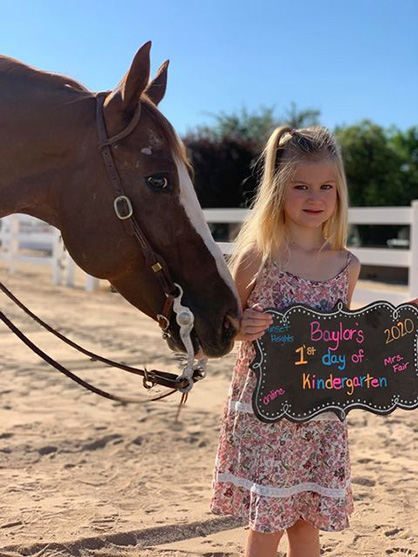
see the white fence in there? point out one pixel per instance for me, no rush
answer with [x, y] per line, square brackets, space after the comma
[27, 239]
[386, 257]
[20, 235]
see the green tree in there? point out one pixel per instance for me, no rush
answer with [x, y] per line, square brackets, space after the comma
[301, 118]
[257, 126]
[224, 155]
[220, 167]
[406, 145]
[241, 126]
[373, 166]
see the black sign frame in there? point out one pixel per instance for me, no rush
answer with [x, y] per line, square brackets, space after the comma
[283, 398]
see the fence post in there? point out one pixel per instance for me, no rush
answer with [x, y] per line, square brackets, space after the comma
[413, 269]
[92, 283]
[14, 230]
[57, 256]
[70, 269]
[3, 235]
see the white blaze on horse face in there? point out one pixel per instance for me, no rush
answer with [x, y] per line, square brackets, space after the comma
[146, 151]
[190, 203]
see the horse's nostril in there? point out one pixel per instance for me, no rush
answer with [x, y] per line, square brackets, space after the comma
[231, 325]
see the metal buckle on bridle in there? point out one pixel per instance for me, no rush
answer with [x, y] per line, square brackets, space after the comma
[147, 382]
[164, 323]
[127, 211]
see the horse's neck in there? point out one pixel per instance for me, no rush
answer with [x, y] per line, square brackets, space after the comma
[40, 146]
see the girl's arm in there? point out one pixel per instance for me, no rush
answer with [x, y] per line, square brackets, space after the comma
[254, 321]
[353, 274]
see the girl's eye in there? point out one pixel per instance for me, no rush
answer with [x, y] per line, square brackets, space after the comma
[301, 187]
[327, 187]
[157, 182]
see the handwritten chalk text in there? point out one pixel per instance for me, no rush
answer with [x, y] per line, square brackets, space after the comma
[335, 336]
[272, 395]
[311, 381]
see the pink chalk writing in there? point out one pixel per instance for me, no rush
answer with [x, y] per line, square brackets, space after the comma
[272, 395]
[335, 336]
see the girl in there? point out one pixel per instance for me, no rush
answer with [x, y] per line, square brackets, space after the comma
[286, 476]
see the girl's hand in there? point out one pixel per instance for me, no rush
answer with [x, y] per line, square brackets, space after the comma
[253, 323]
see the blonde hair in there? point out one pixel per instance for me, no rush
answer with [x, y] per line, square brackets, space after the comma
[264, 230]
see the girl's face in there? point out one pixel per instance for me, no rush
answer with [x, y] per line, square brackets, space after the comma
[311, 195]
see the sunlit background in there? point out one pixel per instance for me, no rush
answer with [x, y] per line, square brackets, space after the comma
[350, 60]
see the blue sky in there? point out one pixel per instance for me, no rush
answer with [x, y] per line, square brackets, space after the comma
[351, 59]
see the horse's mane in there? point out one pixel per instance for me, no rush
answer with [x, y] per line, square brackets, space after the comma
[19, 69]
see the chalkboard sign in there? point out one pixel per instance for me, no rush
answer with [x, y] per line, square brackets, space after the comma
[309, 362]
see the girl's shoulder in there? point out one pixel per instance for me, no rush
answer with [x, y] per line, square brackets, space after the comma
[245, 272]
[347, 261]
[354, 265]
[352, 260]
[248, 262]
[343, 257]
[326, 264]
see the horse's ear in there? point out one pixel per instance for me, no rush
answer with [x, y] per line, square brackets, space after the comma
[156, 89]
[126, 95]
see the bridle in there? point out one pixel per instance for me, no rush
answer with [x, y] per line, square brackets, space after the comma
[124, 210]
[192, 371]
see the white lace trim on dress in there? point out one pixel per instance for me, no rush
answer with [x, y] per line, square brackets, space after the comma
[245, 408]
[236, 406]
[269, 491]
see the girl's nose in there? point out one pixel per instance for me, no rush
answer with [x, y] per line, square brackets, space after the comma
[314, 196]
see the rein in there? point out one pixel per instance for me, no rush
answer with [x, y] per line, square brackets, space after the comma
[192, 371]
[150, 378]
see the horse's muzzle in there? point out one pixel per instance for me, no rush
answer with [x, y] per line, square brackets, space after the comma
[216, 347]
[231, 326]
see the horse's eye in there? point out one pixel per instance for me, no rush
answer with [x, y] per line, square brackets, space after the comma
[157, 182]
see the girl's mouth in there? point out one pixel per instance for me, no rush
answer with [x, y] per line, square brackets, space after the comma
[312, 212]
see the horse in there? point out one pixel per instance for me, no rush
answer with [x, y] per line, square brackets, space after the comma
[52, 167]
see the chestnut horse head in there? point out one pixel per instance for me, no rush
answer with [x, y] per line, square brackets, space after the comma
[51, 167]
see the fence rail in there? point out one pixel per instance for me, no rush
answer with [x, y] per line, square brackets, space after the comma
[27, 239]
[385, 257]
[21, 237]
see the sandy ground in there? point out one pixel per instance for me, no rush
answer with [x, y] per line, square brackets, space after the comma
[83, 476]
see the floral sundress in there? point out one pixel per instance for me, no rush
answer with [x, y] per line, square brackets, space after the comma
[271, 475]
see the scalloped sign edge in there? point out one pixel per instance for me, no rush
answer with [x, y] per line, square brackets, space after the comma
[341, 412]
